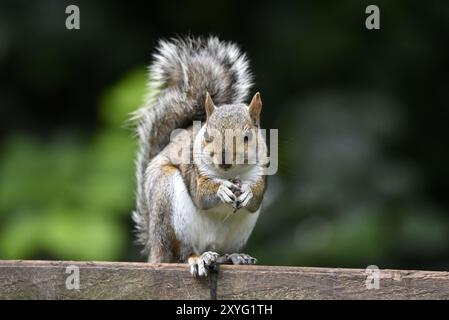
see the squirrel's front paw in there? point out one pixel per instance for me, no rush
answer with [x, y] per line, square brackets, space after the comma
[226, 194]
[199, 265]
[245, 196]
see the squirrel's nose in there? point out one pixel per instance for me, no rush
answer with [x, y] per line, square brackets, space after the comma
[225, 166]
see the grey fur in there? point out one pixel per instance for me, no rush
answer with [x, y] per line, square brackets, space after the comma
[183, 70]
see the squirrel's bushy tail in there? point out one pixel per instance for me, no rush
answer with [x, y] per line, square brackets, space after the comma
[183, 70]
[196, 65]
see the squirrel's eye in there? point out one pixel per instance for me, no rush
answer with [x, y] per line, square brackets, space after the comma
[207, 137]
[248, 136]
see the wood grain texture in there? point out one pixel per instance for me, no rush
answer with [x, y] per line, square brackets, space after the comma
[123, 280]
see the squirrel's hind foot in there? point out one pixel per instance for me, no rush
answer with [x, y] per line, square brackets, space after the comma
[238, 258]
[199, 265]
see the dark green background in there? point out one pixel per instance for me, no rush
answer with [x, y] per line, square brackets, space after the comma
[362, 118]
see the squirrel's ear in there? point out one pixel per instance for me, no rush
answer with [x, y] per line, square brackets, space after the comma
[254, 109]
[209, 105]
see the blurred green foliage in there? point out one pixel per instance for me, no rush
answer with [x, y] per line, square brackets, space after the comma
[67, 198]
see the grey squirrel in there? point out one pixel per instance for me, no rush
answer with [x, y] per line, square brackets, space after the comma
[198, 211]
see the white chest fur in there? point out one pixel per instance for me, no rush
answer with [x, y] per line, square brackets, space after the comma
[217, 229]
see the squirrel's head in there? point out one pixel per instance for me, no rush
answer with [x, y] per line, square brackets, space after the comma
[230, 138]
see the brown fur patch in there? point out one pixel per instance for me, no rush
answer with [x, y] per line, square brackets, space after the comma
[258, 190]
[174, 243]
[259, 187]
[205, 183]
[169, 169]
[192, 257]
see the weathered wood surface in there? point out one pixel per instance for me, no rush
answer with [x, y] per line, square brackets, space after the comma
[122, 280]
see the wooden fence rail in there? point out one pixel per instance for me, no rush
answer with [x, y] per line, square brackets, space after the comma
[123, 280]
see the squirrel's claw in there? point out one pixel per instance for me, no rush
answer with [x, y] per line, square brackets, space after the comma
[199, 265]
[236, 194]
[239, 258]
[226, 195]
[245, 196]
